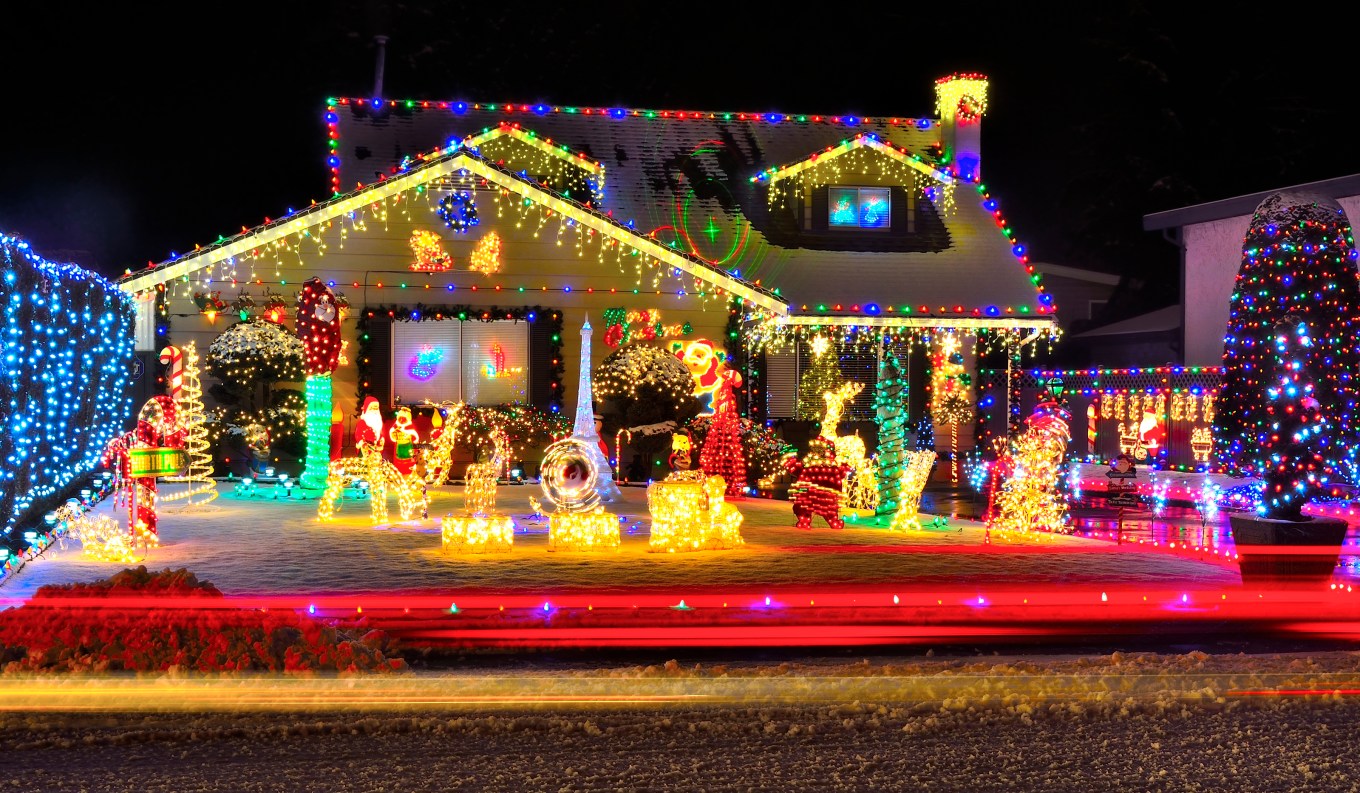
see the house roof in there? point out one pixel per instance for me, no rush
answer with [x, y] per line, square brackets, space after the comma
[690, 179]
[1163, 319]
[455, 160]
[1337, 187]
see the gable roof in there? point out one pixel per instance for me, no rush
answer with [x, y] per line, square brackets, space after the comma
[1338, 187]
[691, 180]
[455, 160]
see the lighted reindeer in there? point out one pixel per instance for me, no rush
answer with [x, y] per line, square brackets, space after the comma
[480, 491]
[849, 448]
[372, 468]
[436, 460]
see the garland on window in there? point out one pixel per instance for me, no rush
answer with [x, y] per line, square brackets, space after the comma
[739, 358]
[463, 313]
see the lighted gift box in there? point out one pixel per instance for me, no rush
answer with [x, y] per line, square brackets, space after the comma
[593, 530]
[478, 533]
[692, 515]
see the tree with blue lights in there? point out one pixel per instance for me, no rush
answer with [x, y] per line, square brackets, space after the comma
[1298, 429]
[1298, 261]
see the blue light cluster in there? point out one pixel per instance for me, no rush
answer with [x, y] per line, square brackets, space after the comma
[65, 374]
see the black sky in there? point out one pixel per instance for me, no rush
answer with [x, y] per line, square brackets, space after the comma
[129, 135]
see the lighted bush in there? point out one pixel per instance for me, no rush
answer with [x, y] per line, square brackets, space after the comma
[64, 375]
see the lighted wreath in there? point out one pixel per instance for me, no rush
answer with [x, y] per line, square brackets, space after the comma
[458, 210]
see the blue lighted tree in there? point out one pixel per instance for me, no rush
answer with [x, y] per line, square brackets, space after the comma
[1298, 260]
[1297, 432]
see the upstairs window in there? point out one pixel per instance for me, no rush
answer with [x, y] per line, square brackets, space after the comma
[859, 208]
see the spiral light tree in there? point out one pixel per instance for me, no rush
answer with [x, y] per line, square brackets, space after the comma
[318, 327]
[187, 390]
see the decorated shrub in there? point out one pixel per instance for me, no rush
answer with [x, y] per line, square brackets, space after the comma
[63, 379]
[762, 446]
[1298, 261]
[644, 385]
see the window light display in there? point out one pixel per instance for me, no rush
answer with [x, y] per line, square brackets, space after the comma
[864, 157]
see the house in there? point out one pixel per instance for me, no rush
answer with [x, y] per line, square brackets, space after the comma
[1210, 239]
[761, 231]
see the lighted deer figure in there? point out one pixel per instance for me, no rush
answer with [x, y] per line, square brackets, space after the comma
[372, 468]
[438, 458]
[480, 492]
[849, 448]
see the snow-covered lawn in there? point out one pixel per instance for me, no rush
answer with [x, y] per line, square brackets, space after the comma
[254, 546]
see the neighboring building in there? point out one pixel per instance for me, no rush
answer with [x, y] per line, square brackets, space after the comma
[1081, 293]
[865, 230]
[1210, 238]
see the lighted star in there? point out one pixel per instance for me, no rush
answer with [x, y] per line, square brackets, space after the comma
[712, 229]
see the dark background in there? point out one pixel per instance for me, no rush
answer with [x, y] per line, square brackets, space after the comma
[129, 134]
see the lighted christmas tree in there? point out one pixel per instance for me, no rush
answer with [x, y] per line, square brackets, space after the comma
[1296, 471]
[925, 433]
[824, 375]
[949, 389]
[1298, 259]
[196, 444]
[891, 411]
[1031, 497]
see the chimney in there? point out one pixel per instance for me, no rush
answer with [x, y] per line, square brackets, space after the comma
[961, 101]
[381, 41]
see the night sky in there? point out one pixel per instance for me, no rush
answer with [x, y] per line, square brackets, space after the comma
[126, 138]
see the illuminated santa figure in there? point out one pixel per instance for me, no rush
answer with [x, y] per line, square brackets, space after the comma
[714, 384]
[368, 430]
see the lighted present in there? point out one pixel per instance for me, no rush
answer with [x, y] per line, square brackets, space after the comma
[693, 516]
[478, 533]
[593, 530]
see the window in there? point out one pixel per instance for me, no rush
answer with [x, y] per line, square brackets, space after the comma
[480, 363]
[859, 207]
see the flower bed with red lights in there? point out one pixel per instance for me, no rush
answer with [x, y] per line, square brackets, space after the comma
[170, 621]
